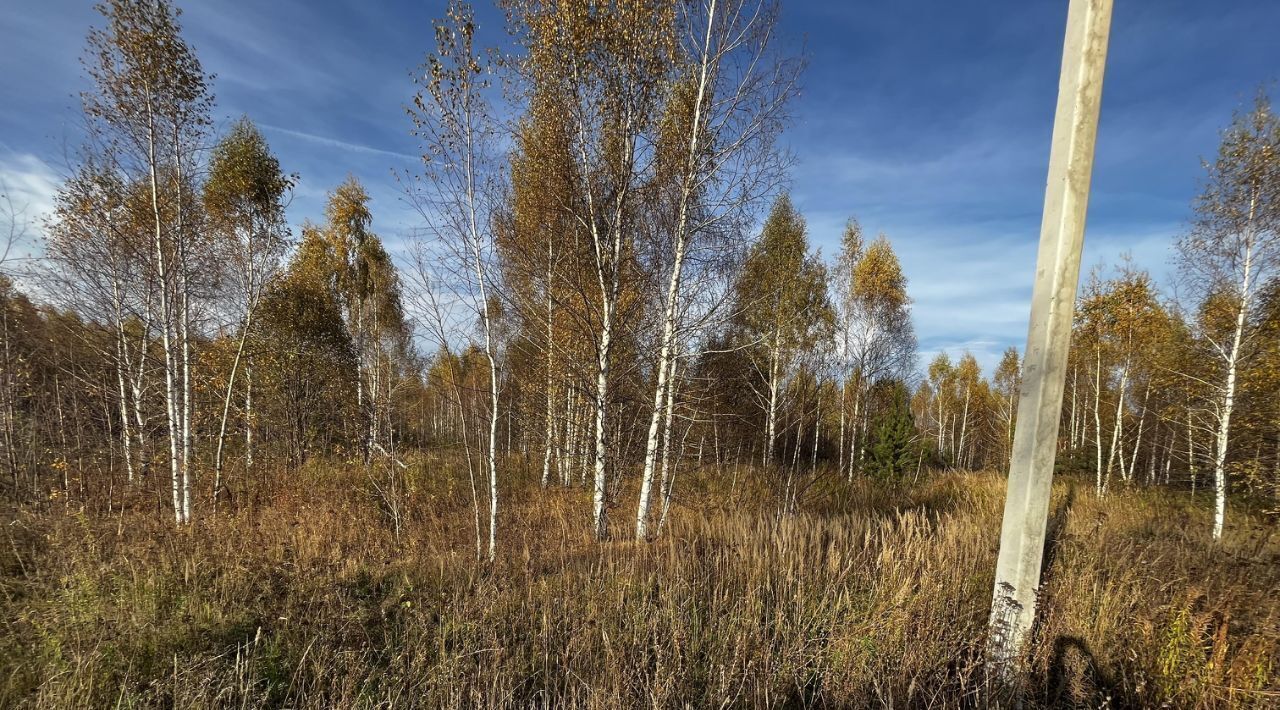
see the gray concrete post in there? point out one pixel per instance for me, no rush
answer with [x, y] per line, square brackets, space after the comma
[1066, 199]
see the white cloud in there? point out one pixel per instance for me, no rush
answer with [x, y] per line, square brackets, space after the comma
[970, 280]
[29, 185]
[27, 189]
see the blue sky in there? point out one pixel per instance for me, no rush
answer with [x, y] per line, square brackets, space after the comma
[928, 121]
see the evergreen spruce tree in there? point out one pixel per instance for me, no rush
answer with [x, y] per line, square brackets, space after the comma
[893, 449]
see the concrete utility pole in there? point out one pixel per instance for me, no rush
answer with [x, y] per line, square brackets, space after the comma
[1066, 200]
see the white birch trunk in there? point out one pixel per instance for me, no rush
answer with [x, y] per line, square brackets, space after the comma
[942, 423]
[226, 412]
[1115, 450]
[1137, 440]
[166, 339]
[1074, 376]
[1100, 484]
[248, 415]
[136, 386]
[771, 423]
[817, 431]
[1191, 453]
[1229, 393]
[844, 392]
[671, 304]
[184, 338]
[549, 423]
[668, 474]
[598, 512]
[1168, 453]
[126, 437]
[854, 427]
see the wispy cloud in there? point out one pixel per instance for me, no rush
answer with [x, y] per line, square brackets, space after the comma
[30, 186]
[27, 189]
[940, 140]
[335, 143]
[930, 122]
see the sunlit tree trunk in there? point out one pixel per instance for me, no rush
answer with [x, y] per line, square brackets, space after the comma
[854, 427]
[1115, 450]
[548, 430]
[771, 418]
[817, 431]
[184, 331]
[1074, 421]
[1191, 453]
[122, 366]
[1137, 440]
[668, 475]
[166, 323]
[1229, 392]
[844, 389]
[248, 415]
[680, 235]
[599, 492]
[226, 412]
[1100, 483]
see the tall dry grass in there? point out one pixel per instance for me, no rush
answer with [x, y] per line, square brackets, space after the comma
[874, 595]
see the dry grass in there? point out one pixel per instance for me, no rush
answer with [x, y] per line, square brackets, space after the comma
[875, 595]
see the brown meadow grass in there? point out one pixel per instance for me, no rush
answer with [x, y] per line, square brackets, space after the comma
[875, 594]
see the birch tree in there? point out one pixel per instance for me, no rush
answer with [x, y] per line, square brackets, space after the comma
[781, 309]
[968, 378]
[1007, 381]
[941, 377]
[1092, 336]
[606, 67]
[308, 375]
[537, 249]
[1230, 255]
[452, 118]
[98, 266]
[368, 285]
[875, 339]
[149, 104]
[244, 199]
[718, 156]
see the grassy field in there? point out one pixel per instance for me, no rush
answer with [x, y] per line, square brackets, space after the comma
[302, 595]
